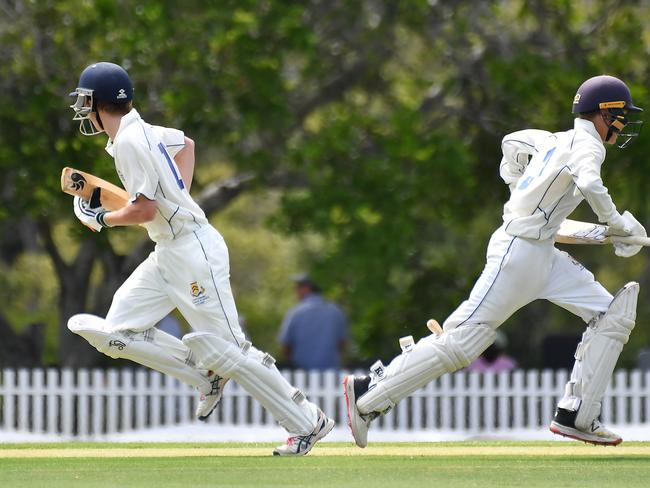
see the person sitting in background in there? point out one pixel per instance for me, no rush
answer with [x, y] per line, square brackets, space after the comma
[494, 357]
[314, 333]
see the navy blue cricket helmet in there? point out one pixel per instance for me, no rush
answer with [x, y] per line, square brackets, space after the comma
[99, 82]
[603, 92]
[612, 96]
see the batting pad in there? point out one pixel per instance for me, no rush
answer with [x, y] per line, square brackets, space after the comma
[597, 354]
[430, 358]
[152, 348]
[256, 372]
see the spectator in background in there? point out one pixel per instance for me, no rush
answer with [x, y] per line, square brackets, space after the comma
[494, 357]
[314, 333]
[171, 325]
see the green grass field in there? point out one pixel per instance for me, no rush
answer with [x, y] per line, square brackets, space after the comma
[338, 465]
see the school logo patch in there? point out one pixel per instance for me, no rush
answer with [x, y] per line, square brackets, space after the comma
[198, 293]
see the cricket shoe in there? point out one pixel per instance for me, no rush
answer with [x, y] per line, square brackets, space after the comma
[354, 387]
[564, 424]
[299, 445]
[209, 401]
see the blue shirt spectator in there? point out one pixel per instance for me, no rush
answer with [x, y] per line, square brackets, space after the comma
[315, 331]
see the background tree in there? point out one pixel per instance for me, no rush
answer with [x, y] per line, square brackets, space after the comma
[371, 128]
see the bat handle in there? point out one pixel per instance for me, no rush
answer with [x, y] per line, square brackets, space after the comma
[434, 326]
[632, 240]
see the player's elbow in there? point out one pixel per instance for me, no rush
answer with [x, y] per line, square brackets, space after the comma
[145, 210]
[189, 145]
[149, 212]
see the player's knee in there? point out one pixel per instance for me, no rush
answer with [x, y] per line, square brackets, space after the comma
[619, 319]
[214, 353]
[458, 347]
[94, 330]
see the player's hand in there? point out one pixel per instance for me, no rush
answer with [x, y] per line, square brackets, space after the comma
[630, 226]
[93, 218]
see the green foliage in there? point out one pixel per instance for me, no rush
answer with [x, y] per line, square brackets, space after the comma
[376, 124]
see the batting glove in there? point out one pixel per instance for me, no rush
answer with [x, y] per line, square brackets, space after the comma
[631, 227]
[93, 218]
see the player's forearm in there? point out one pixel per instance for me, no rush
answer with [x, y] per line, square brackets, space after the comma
[185, 161]
[139, 212]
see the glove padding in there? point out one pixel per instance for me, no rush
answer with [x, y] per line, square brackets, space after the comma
[628, 226]
[93, 218]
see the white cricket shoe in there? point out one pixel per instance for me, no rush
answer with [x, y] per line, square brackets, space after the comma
[564, 424]
[209, 401]
[355, 387]
[300, 445]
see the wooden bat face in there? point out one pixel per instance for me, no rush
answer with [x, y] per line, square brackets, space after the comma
[576, 232]
[96, 191]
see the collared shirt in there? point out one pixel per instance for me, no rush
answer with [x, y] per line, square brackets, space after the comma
[564, 169]
[315, 330]
[144, 162]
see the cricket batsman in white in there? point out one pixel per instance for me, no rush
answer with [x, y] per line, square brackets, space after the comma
[188, 270]
[549, 174]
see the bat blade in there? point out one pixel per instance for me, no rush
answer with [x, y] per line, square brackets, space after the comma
[92, 188]
[576, 232]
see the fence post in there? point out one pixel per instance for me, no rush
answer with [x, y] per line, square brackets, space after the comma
[155, 389]
[67, 398]
[38, 397]
[489, 398]
[24, 394]
[504, 400]
[475, 393]
[141, 393]
[445, 401]
[518, 397]
[83, 410]
[9, 386]
[97, 402]
[532, 393]
[112, 395]
[52, 398]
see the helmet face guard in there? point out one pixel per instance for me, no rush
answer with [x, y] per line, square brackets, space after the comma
[83, 107]
[617, 120]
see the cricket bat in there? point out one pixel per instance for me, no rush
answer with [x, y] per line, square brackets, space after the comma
[576, 232]
[94, 190]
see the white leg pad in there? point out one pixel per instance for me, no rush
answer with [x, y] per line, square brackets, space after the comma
[597, 354]
[256, 372]
[430, 358]
[152, 348]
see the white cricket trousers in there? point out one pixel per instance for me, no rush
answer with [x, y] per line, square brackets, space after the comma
[191, 273]
[519, 271]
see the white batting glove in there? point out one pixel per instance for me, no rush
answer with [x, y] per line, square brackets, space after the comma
[93, 218]
[631, 227]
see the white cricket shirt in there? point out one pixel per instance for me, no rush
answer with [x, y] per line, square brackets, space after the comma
[564, 169]
[144, 160]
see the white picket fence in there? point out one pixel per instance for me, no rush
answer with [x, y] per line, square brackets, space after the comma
[89, 404]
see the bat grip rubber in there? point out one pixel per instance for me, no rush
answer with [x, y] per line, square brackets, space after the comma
[96, 198]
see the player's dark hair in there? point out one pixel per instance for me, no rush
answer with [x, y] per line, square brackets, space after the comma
[588, 115]
[115, 108]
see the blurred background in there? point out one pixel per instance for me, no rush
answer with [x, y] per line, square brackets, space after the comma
[358, 141]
